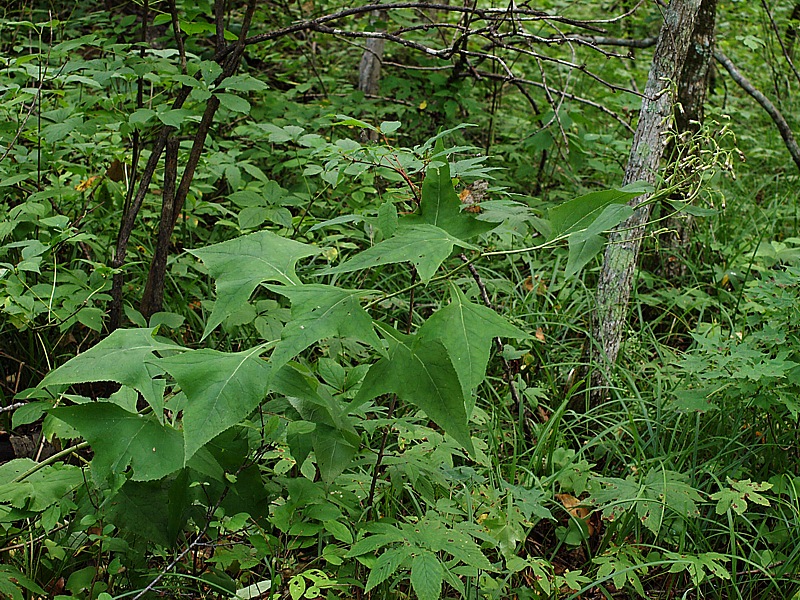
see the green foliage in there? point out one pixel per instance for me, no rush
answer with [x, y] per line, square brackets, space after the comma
[660, 494]
[362, 376]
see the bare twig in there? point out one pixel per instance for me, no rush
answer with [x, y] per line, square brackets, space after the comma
[176, 31]
[780, 122]
[519, 80]
[785, 50]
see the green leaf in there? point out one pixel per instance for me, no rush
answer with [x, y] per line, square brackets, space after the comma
[241, 264]
[387, 565]
[12, 581]
[700, 566]
[661, 491]
[353, 122]
[340, 531]
[582, 249]
[441, 206]
[141, 116]
[388, 127]
[466, 330]
[149, 508]
[319, 312]
[425, 246]
[735, 498]
[234, 103]
[386, 534]
[221, 390]
[40, 489]
[387, 219]
[121, 439]
[174, 117]
[121, 357]
[333, 451]
[242, 83]
[91, 317]
[578, 214]
[586, 243]
[419, 371]
[210, 71]
[427, 575]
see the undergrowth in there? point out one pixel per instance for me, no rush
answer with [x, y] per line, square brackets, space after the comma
[369, 376]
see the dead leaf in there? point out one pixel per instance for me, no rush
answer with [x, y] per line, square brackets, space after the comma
[87, 183]
[116, 171]
[577, 510]
[528, 283]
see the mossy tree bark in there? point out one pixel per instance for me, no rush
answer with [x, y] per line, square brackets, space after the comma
[689, 114]
[622, 251]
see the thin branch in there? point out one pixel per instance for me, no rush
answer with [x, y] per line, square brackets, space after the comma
[518, 80]
[780, 122]
[785, 51]
[647, 42]
[176, 31]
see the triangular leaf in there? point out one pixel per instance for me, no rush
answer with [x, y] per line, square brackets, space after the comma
[466, 330]
[319, 312]
[441, 206]
[239, 265]
[120, 357]
[582, 249]
[121, 439]
[221, 390]
[579, 213]
[419, 371]
[425, 246]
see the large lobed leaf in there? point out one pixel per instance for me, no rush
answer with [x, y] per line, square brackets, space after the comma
[121, 357]
[121, 439]
[319, 312]
[466, 330]
[441, 206]
[241, 264]
[425, 246]
[221, 389]
[419, 371]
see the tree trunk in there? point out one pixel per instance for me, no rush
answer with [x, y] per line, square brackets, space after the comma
[621, 254]
[692, 91]
[369, 69]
